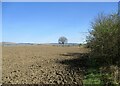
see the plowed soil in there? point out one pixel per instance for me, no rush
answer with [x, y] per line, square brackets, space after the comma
[42, 64]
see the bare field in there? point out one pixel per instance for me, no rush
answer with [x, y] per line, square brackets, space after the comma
[42, 64]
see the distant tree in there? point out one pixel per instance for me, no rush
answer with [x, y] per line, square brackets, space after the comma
[62, 40]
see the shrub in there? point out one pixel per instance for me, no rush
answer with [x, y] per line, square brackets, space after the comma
[104, 38]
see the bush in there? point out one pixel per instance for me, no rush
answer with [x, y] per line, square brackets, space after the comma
[104, 38]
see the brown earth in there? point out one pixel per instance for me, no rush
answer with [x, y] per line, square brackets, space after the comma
[42, 64]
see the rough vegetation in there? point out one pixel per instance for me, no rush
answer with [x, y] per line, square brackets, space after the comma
[104, 42]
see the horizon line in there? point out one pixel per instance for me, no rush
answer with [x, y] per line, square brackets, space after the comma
[39, 42]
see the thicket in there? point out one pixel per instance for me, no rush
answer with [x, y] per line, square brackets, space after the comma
[104, 42]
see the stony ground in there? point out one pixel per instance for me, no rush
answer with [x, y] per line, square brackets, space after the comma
[42, 65]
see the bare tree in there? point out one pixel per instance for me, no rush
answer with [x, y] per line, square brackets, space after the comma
[62, 40]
